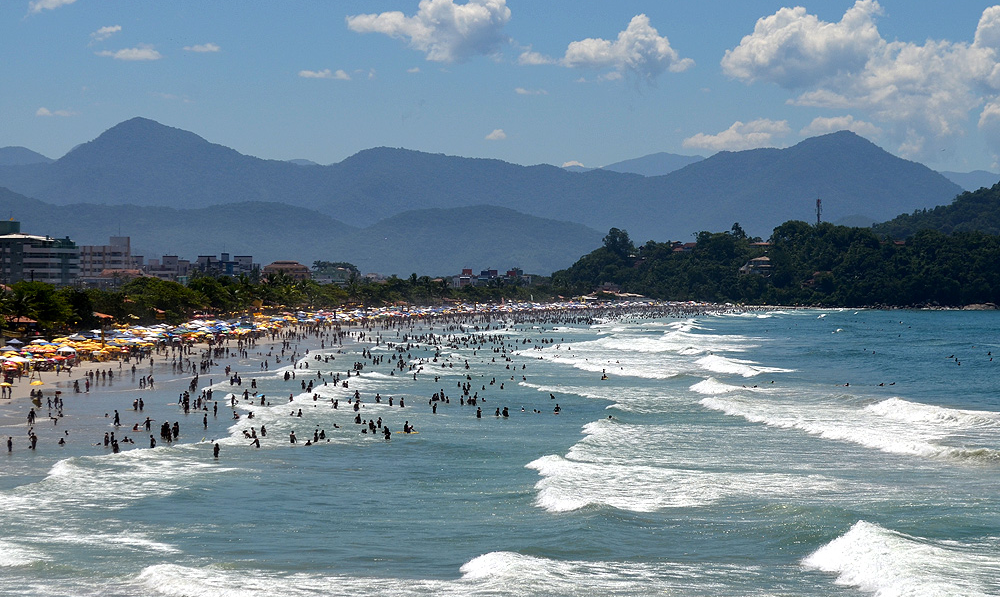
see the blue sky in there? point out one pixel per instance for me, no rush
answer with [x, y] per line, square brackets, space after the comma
[526, 81]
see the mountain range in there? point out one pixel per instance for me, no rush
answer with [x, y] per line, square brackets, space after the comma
[973, 181]
[654, 164]
[421, 241]
[143, 166]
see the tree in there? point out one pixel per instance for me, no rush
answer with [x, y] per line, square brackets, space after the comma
[618, 243]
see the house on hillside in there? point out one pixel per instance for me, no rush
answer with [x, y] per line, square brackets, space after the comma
[758, 265]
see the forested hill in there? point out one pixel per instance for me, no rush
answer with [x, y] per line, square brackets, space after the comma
[970, 211]
[821, 265]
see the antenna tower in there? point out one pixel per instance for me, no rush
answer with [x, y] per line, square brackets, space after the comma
[819, 210]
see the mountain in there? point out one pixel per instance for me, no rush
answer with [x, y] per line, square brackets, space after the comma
[656, 164]
[761, 188]
[141, 162]
[427, 241]
[971, 211]
[21, 156]
[973, 181]
[443, 241]
[301, 162]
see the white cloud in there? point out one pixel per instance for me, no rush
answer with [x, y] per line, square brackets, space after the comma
[104, 33]
[921, 96]
[46, 112]
[496, 135]
[530, 58]
[573, 163]
[443, 30]
[796, 49]
[523, 91]
[823, 125]
[37, 6]
[209, 47]
[740, 136]
[140, 52]
[414, 70]
[639, 49]
[326, 73]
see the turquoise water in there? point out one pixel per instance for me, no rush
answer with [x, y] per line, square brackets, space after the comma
[748, 454]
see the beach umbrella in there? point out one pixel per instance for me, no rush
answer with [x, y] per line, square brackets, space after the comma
[14, 342]
[38, 382]
[68, 349]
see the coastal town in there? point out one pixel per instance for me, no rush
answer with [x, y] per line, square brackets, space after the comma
[62, 262]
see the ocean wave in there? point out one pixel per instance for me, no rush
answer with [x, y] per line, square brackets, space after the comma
[720, 364]
[14, 555]
[894, 426]
[568, 485]
[915, 412]
[494, 574]
[712, 387]
[891, 564]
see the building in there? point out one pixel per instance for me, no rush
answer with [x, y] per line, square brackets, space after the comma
[168, 267]
[36, 258]
[514, 276]
[224, 265]
[107, 265]
[341, 276]
[292, 269]
[758, 265]
[464, 279]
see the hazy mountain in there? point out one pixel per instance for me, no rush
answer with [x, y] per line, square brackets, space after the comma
[301, 162]
[141, 162]
[426, 241]
[443, 241]
[656, 164]
[761, 188]
[577, 169]
[973, 181]
[977, 210]
[21, 156]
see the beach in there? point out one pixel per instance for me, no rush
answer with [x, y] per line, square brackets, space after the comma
[692, 452]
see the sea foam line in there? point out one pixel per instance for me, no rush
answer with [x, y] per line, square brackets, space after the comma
[891, 564]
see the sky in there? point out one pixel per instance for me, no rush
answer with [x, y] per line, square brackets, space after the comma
[590, 82]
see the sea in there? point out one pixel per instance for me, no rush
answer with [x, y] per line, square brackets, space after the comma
[767, 453]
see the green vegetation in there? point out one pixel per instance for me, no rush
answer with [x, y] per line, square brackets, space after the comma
[970, 211]
[823, 265]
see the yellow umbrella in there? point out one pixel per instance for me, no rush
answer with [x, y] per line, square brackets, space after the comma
[6, 384]
[38, 382]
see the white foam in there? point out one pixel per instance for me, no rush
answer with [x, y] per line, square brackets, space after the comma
[914, 412]
[712, 387]
[569, 485]
[492, 574]
[13, 555]
[895, 426]
[891, 564]
[720, 364]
